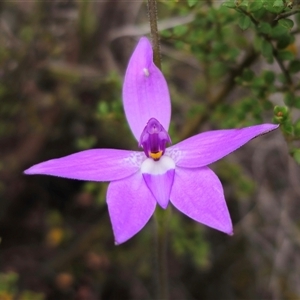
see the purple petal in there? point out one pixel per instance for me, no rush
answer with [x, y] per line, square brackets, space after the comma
[159, 177]
[92, 165]
[145, 91]
[130, 206]
[198, 193]
[208, 147]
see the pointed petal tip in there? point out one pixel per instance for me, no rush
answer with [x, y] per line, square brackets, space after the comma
[30, 171]
[144, 40]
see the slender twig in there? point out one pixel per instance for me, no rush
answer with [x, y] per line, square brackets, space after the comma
[193, 125]
[254, 21]
[152, 14]
[287, 14]
[268, 39]
[161, 241]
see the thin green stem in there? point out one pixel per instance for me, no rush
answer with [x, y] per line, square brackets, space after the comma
[152, 14]
[161, 241]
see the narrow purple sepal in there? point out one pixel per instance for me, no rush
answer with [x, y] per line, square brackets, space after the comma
[208, 147]
[145, 91]
[160, 185]
[198, 193]
[130, 205]
[92, 165]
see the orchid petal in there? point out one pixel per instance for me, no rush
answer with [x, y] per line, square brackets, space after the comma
[208, 147]
[159, 177]
[130, 206]
[198, 193]
[145, 91]
[92, 165]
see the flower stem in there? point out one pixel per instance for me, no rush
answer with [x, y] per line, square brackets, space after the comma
[161, 275]
[152, 14]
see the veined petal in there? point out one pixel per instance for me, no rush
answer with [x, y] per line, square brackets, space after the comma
[92, 165]
[159, 177]
[145, 91]
[198, 193]
[130, 206]
[208, 147]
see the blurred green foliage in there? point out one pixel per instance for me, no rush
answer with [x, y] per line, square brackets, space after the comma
[9, 289]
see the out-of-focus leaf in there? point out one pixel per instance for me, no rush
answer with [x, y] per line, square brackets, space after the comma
[244, 22]
[266, 49]
[287, 23]
[294, 66]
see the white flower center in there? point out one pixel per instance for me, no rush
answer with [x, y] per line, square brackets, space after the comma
[150, 166]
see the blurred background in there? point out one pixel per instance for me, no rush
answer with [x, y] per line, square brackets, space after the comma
[227, 65]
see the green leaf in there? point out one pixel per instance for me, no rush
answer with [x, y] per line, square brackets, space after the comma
[296, 155]
[286, 55]
[287, 23]
[265, 28]
[244, 22]
[297, 128]
[289, 99]
[248, 75]
[266, 49]
[229, 3]
[278, 31]
[180, 30]
[269, 77]
[191, 3]
[284, 40]
[255, 5]
[278, 3]
[297, 102]
[294, 66]
[274, 7]
[288, 128]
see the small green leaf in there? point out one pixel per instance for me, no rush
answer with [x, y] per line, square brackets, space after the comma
[255, 5]
[278, 3]
[289, 99]
[296, 155]
[244, 22]
[297, 128]
[191, 3]
[297, 102]
[278, 31]
[284, 40]
[265, 28]
[287, 23]
[288, 128]
[294, 66]
[229, 3]
[274, 7]
[180, 30]
[266, 49]
[269, 77]
[286, 55]
[248, 75]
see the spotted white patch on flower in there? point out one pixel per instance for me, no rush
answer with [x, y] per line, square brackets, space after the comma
[146, 72]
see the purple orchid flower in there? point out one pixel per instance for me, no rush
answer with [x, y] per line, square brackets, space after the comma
[139, 180]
